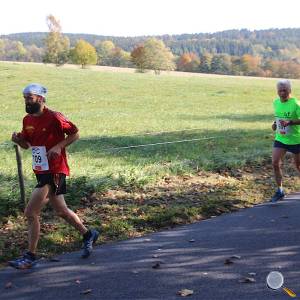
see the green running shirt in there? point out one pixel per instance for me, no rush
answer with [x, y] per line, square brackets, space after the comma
[289, 110]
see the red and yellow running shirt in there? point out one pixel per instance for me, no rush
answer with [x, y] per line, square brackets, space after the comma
[44, 132]
[288, 110]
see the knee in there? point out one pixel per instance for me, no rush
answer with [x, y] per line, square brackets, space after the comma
[31, 216]
[297, 164]
[276, 165]
[63, 213]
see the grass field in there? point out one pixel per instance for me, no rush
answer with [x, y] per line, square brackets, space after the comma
[114, 109]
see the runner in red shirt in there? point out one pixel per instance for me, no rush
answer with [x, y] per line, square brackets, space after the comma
[47, 133]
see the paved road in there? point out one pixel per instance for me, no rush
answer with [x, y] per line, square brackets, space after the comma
[266, 237]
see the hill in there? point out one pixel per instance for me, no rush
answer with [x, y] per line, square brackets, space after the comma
[267, 43]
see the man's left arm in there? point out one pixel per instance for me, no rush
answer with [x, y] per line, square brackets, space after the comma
[294, 121]
[56, 150]
[71, 132]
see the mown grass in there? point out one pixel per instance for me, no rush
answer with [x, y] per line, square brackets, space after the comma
[114, 110]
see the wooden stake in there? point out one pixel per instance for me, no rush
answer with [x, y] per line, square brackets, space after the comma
[20, 175]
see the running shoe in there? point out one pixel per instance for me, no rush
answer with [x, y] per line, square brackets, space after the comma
[88, 243]
[279, 195]
[27, 261]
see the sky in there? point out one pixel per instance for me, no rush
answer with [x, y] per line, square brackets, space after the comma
[148, 17]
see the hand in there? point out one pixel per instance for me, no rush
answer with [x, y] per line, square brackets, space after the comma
[54, 152]
[15, 138]
[285, 123]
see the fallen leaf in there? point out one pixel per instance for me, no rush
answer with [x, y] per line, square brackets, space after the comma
[156, 265]
[8, 285]
[78, 281]
[228, 261]
[247, 280]
[185, 292]
[54, 259]
[235, 257]
[88, 291]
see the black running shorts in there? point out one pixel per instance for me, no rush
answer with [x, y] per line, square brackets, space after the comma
[295, 149]
[56, 181]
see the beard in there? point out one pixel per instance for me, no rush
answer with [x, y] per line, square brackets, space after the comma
[33, 108]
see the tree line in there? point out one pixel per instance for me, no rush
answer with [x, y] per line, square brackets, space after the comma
[269, 53]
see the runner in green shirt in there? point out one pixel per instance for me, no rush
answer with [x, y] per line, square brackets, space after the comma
[287, 137]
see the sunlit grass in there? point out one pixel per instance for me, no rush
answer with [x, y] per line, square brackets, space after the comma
[118, 109]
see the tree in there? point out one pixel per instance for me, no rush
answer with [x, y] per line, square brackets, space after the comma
[57, 46]
[105, 52]
[250, 64]
[157, 56]
[221, 64]
[34, 53]
[205, 63]
[84, 54]
[188, 62]
[14, 51]
[138, 57]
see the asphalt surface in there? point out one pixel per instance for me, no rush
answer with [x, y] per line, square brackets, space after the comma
[264, 238]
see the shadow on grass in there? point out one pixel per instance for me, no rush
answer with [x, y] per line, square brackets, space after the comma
[174, 145]
[232, 117]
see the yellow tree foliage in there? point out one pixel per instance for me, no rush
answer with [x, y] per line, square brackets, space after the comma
[57, 46]
[84, 54]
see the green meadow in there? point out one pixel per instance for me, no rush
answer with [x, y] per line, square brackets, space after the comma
[208, 145]
[231, 117]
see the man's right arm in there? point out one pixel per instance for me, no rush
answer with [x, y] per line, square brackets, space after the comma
[18, 139]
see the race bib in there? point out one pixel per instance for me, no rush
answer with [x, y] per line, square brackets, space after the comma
[39, 158]
[284, 130]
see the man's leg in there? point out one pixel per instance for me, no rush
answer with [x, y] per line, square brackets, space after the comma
[297, 161]
[60, 206]
[89, 236]
[32, 212]
[277, 158]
